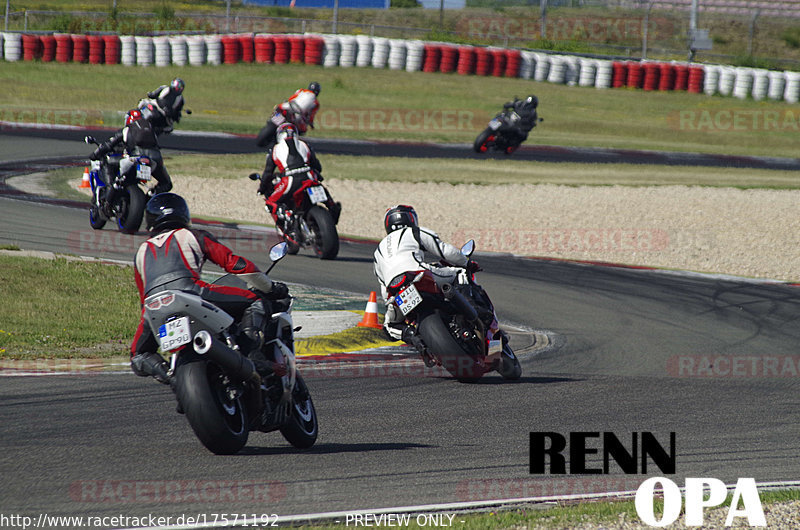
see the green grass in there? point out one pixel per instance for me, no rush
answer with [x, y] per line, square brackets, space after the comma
[59, 308]
[416, 106]
[509, 171]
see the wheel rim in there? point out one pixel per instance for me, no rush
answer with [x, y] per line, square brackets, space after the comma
[316, 238]
[232, 409]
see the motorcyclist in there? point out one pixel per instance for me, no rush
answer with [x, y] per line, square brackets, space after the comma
[172, 258]
[137, 138]
[526, 110]
[299, 110]
[404, 249]
[169, 99]
[294, 161]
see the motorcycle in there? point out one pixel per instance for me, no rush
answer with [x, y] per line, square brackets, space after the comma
[503, 133]
[128, 202]
[217, 387]
[448, 324]
[310, 220]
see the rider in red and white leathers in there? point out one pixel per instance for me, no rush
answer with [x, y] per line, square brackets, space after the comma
[294, 161]
[299, 110]
[404, 249]
[172, 258]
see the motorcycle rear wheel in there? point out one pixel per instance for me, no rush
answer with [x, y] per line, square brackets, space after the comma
[326, 238]
[221, 424]
[454, 358]
[302, 429]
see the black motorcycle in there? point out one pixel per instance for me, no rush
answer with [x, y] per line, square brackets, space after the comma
[505, 133]
[127, 202]
[218, 388]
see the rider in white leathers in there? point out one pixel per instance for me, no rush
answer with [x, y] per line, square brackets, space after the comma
[403, 250]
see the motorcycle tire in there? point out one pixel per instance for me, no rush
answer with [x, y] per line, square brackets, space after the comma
[302, 429]
[220, 424]
[454, 358]
[96, 218]
[132, 210]
[326, 238]
[481, 142]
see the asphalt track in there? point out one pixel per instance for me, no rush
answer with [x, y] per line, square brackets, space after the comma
[112, 444]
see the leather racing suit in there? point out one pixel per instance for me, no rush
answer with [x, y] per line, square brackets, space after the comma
[299, 110]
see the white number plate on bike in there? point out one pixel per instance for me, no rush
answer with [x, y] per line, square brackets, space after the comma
[317, 194]
[174, 333]
[143, 172]
[408, 299]
[494, 124]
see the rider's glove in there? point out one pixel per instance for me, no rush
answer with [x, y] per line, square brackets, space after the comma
[278, 292]
[473, 267]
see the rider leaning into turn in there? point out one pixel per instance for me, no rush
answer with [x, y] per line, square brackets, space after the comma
[404, 249]
[294, 161]
[299, 110]
[526, 109]
[138, 139]
[172, 258]
[170, 100]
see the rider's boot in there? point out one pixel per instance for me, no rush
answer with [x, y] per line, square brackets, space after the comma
[508, 367]
[251, 340]
[150, 364]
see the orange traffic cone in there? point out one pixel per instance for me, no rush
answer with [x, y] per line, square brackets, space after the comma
[85, 182]
[371, 313]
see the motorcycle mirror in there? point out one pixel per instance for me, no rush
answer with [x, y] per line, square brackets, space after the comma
[89, 139]
[468, 248]
[254, 176]
[276, 253]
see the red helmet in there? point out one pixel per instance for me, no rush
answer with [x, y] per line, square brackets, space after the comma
[132, 116]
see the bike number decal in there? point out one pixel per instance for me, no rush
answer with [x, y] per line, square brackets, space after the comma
[174, 333]
[143, 172]
[317, 194]
[494, 124]
[408, 299]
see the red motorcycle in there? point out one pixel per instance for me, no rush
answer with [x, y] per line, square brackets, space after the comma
[448, 324]
[310, 217]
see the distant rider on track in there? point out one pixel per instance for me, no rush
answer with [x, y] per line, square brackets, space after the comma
[299, 110]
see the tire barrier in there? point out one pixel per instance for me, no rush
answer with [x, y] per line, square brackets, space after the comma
[144, 50]
[162, 51]
[80, 49]
[399, 54]
[113, 49]
[179, 50]
[12, 46]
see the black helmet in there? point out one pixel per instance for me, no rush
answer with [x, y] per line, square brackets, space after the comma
[165, 211]
[314, 87]
[398, 217]
[532, 101]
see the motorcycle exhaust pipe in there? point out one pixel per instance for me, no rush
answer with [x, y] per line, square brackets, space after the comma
[461, 303]
[233, 362]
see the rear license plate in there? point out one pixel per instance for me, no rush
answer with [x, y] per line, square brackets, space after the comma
[317, 194]
[174, 333]
[408, 299]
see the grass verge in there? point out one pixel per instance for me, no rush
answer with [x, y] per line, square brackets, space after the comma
[65, 309]
[367, 103]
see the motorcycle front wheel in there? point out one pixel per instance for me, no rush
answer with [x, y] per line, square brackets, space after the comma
[441, 343]
[132, 203]
[219, 422]
[302, 428]
[326, 238]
